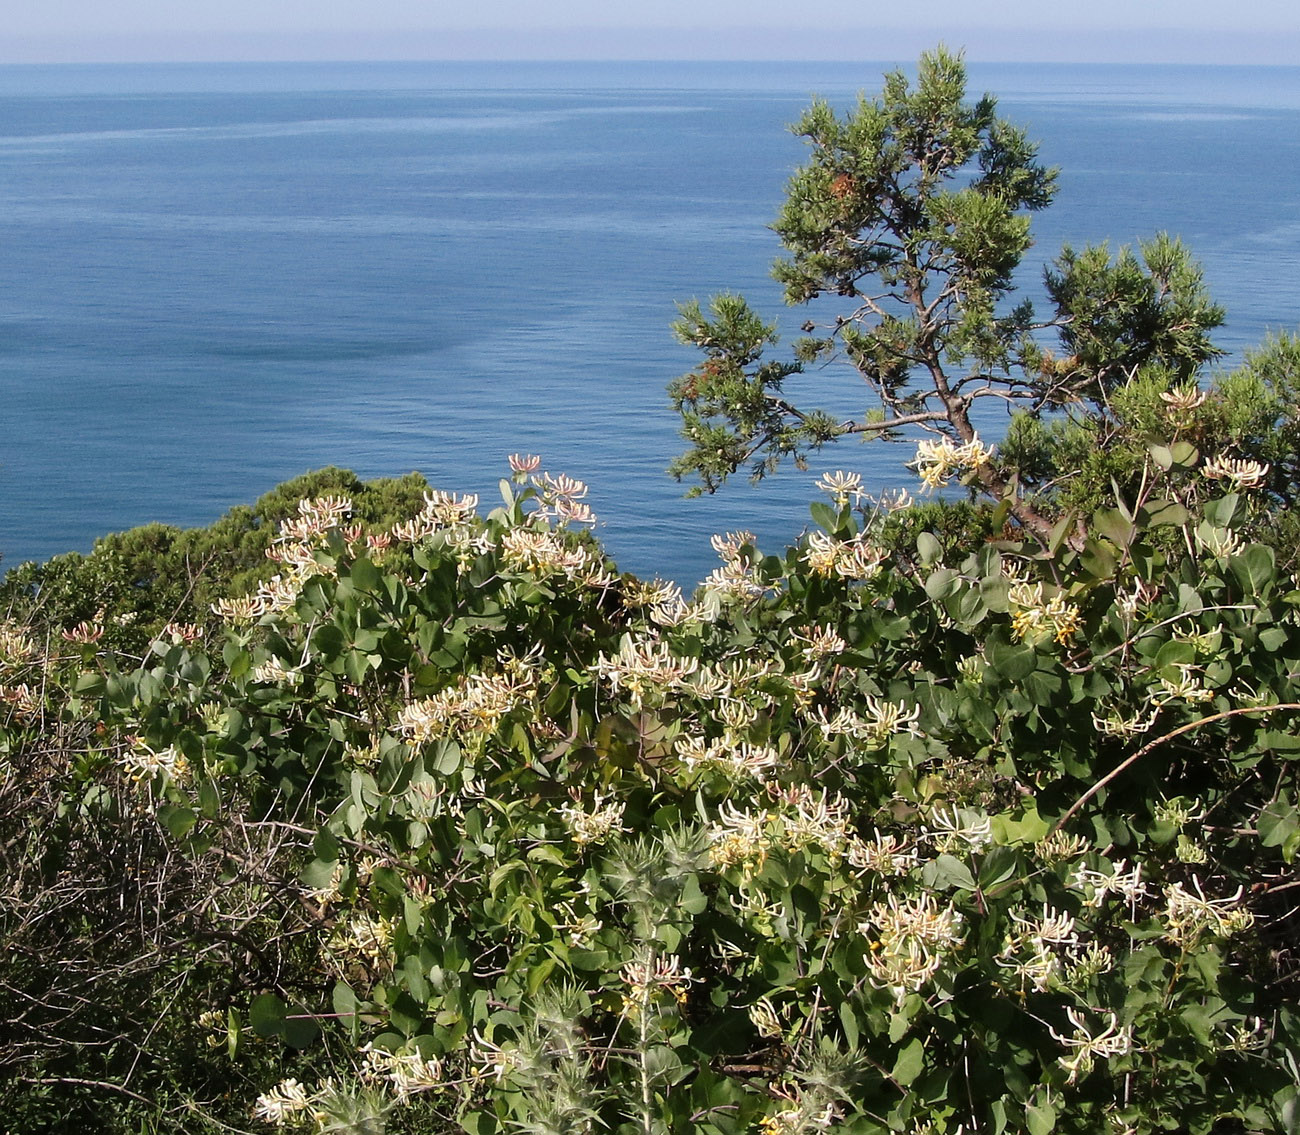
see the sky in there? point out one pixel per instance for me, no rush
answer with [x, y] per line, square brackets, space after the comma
[1154, 31]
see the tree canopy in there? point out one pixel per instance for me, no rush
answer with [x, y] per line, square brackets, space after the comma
[914, 208]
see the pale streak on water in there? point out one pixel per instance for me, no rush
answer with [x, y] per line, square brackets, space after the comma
[218, 277]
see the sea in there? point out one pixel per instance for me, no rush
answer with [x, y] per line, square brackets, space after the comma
[216, 277]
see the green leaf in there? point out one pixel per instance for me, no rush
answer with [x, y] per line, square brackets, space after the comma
[1012, 661]
[1255, 567]
[942, 583]
[300, 1028]
[946, 872]
[910, 1062]
[266, 1015]
[364, 575]
[824, 516]
[176, 819]
[1040, 1119]
[1115, 526]
[1156, 514]
[1278, 822]
[928, 549]
[539, 975]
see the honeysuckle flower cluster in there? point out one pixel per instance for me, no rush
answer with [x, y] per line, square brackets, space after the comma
[407, 1073]
[885, 855]
[737, 578]
[1218, 542]
[646, 979]
[797, 1120]
[546, 552]
[1238, 473]
[908, 940]
[820, 642]
[362, 756]
[1035, 619]
[594, 824]
[736, 759]
[579, 929]
[286, 1103]
[22, 698]
[1181, 400]
[1038, 951]
[1096, 885]
[522, 464]
[644, 670]
[143, 762]
[813, 819]
[475, 705]
[1251, 1036]
[559, 498]
[938, 460]
[1133, 600]
[763, 1016]
[1061, 847]
[364, 938]
[1185, 687]
[16, 645]
[84, 633]
[1189, 915]
[273, 672]
[740, 839]
[959, 829]
[848, 559]
[841, 486]
[1115, 723]
[187, 633]
[883, 721]
[1086, 1047]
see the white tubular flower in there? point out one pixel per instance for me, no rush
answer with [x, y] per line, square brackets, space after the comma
[1239, 474]
[821, 642]
[1183, 399]
[144, 762]
[1116, 724]
[739, 838]
[1127, 884]
[241, 609]
[521, 464]
[1186, 687]
[841, 486]
[596, 825]
[883, 854]
[1218, 542]
[938, 460]
[273, 672]
[729, 545]
[765, 1020]
[665, 973]
[644, 668]
[910, 940]
[408, 1072]
[962, 826]
[282, 1104]
[1188, 915]
[1086, 1048]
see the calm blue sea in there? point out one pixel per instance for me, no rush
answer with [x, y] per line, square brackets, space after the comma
[216, 277]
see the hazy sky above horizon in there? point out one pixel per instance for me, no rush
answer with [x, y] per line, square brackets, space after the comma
[1207, 31]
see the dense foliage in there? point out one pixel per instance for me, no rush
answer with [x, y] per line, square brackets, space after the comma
[135, 583]
[854, 839]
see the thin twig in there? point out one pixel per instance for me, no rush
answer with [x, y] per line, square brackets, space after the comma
[1130, 761]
